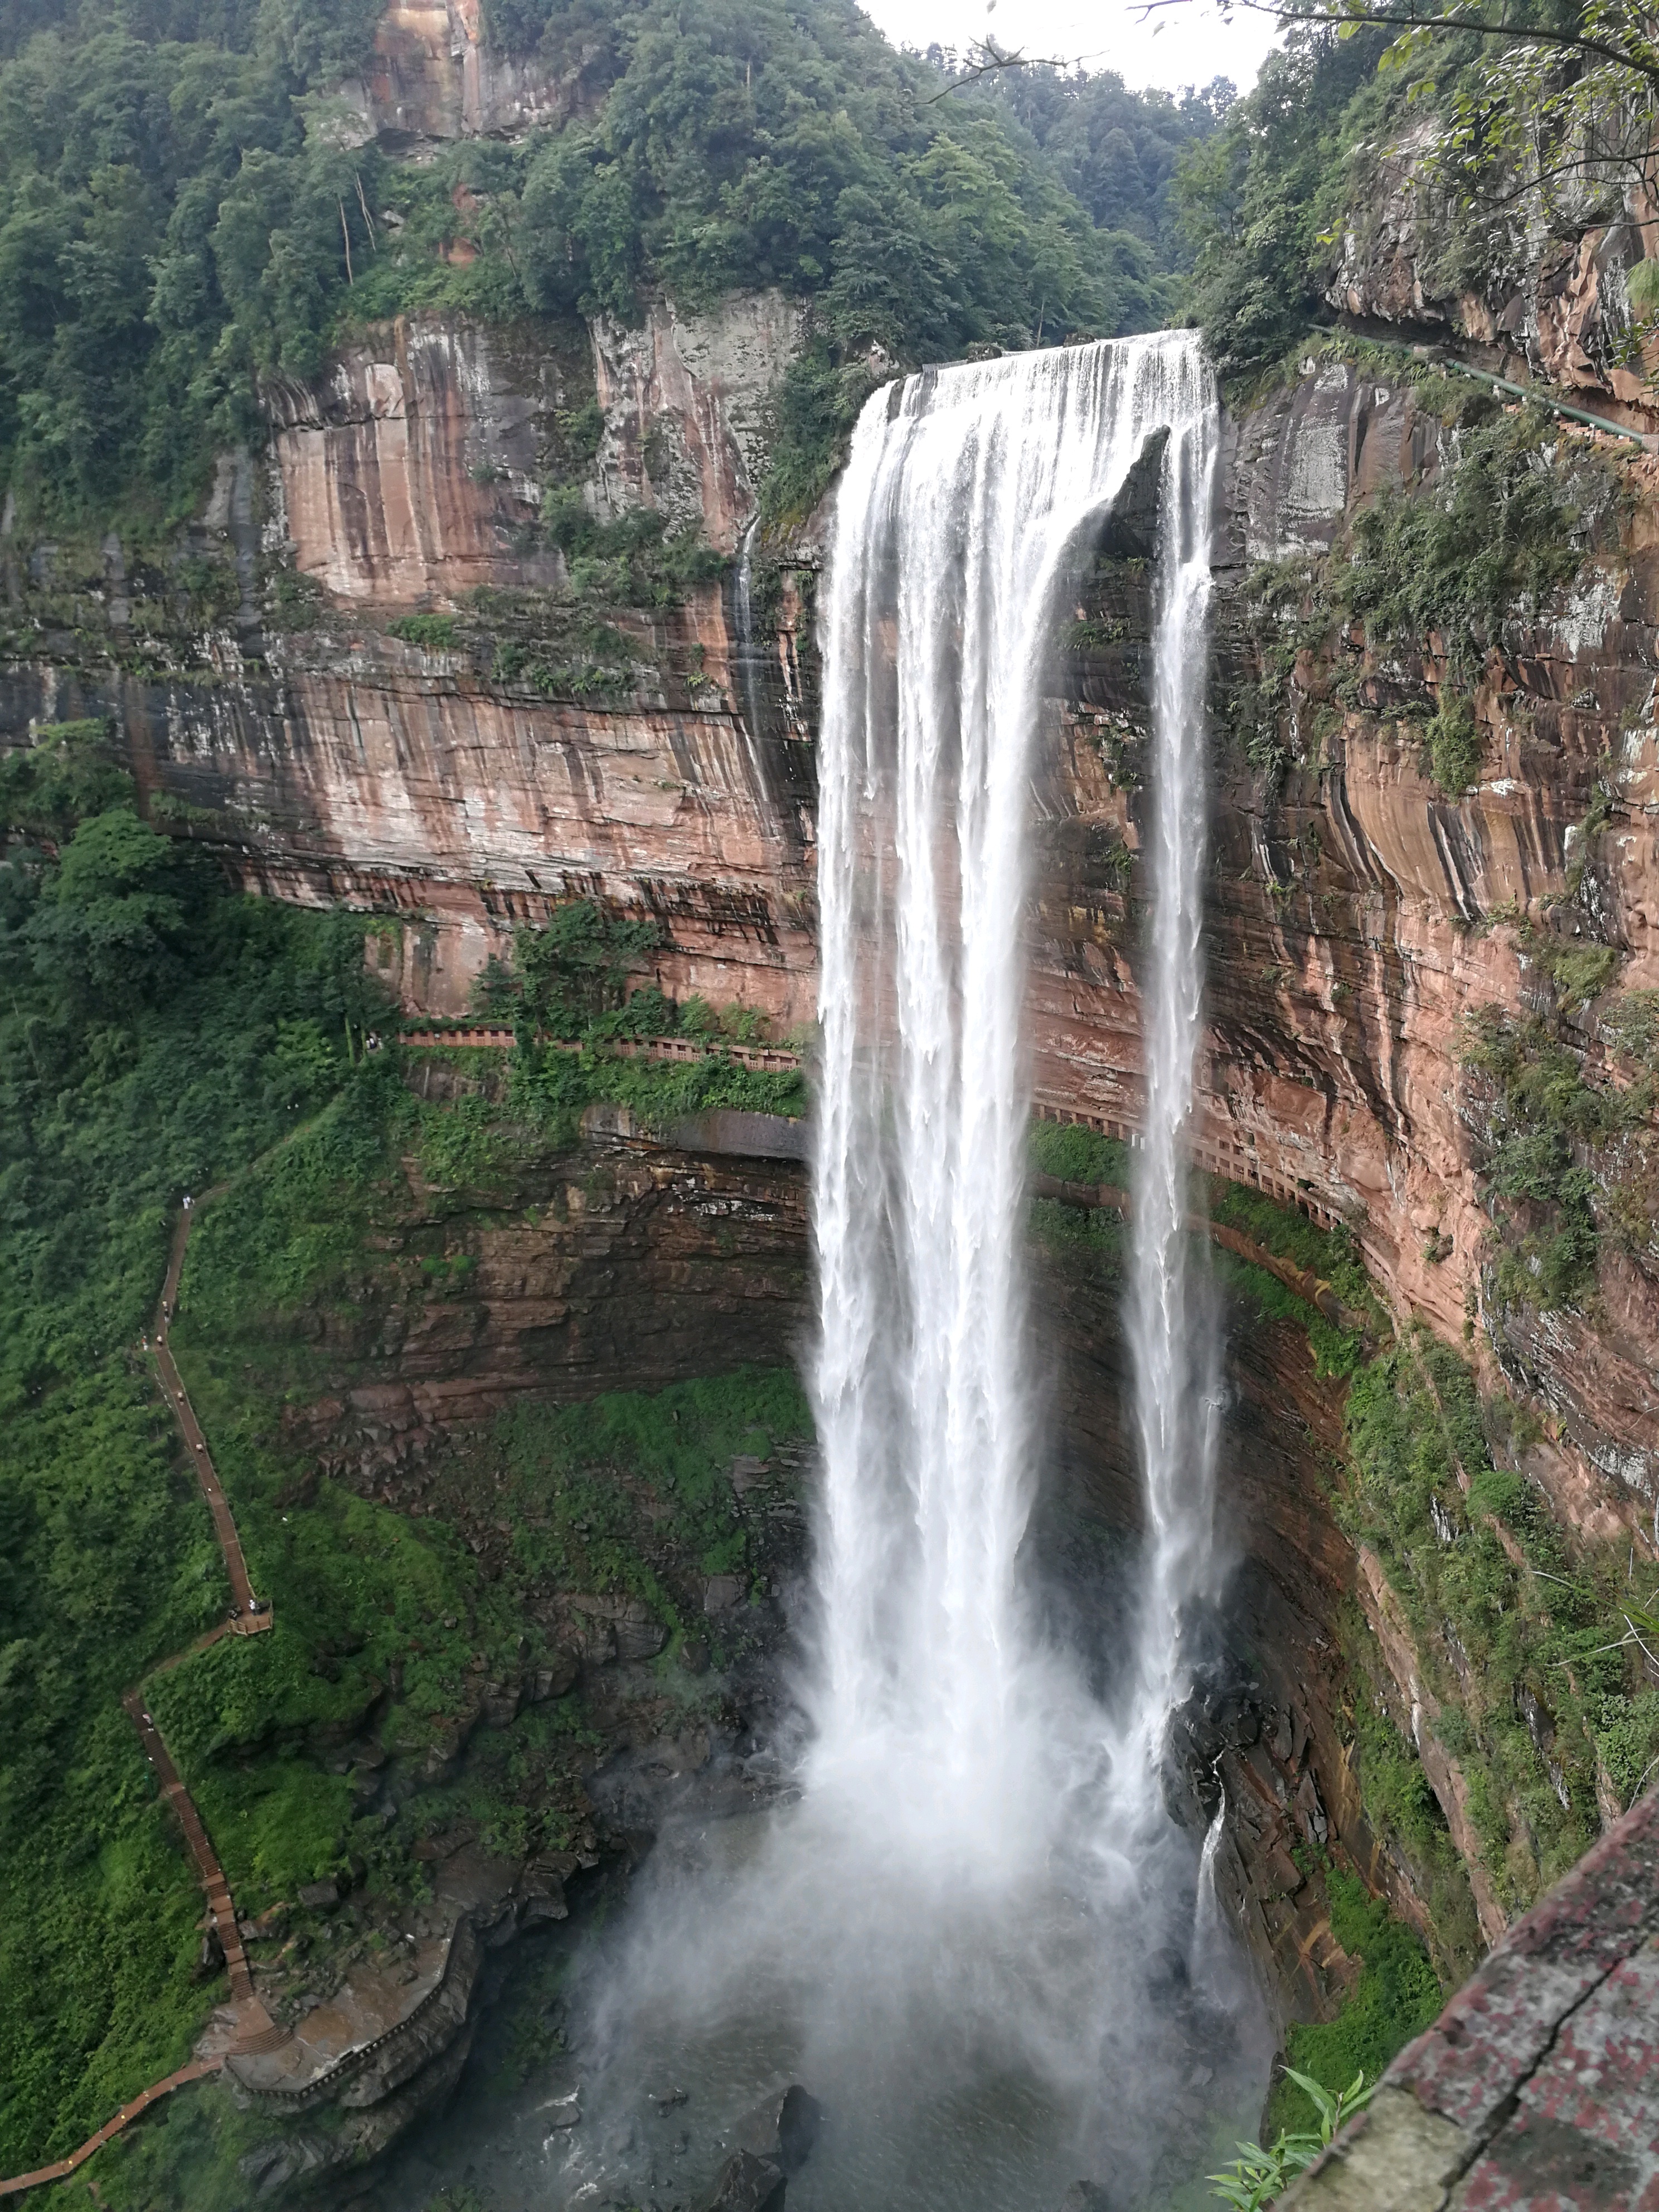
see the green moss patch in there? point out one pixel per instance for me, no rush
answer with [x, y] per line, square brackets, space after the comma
[1397, 1997]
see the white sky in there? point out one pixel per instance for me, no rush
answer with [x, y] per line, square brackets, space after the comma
[1177, 46]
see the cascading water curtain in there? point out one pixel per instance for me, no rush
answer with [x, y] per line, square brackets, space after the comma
[966, 493]
[1173, 1342]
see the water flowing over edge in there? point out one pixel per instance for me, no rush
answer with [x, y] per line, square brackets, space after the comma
[968, 493]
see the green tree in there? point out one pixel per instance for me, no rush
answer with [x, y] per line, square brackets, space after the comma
[112, 916]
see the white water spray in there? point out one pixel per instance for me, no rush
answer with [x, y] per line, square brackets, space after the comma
[967, 492]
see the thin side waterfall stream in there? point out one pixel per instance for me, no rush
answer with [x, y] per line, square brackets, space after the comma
[969, 1924]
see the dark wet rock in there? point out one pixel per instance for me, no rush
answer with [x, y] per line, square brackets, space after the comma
[539, 1892]
[746, 2184]
[308, 2152]
[1130, 532]
[319, 1896]
[555, 1678]
[800, 2116]
[783, 2127]
[273, 2166]
[694, 1655]
[665, 2095]
[1086, 2196]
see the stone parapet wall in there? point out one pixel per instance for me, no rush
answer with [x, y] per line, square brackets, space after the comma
[1537, 2085]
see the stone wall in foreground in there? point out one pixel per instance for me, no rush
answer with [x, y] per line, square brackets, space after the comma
[1537, 2085]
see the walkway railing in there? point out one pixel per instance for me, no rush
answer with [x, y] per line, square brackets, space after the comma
[484, 1036]
[1226, 1156]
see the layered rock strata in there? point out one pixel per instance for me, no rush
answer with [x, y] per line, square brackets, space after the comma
[1359, 916]
[461, 777]
[1529, 293]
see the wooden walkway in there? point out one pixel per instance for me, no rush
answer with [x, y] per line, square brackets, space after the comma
[254, 2023]
[487, 1037]
[209, 1870]
[248, 1622]
[62, 2168]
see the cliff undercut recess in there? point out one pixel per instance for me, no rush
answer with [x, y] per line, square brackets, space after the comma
[422, 429]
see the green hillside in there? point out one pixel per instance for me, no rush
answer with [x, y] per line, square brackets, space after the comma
[182, 210]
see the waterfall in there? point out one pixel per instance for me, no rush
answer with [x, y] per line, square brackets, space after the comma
[968, 492]
[968, 1930]
[1173, 1343]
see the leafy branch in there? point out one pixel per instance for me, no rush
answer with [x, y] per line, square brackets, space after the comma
[1262, 2173]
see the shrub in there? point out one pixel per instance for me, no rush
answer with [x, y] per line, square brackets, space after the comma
[431, 633]
[1452, 746]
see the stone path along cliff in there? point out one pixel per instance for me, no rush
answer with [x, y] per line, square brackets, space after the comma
[255, 2030]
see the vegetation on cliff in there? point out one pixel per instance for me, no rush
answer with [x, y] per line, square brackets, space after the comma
[186, 209]
[1398, 1995]
[161, 1034]
[1516, 120]
[156, 1033]
[1404, 616]
[1531, 1642]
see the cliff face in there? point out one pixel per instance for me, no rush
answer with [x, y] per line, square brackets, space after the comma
[394, 709]
[1269, 1730]
[465, 774]
[434, 76]
[1360, 916]
[400, 687]
[1545, 297]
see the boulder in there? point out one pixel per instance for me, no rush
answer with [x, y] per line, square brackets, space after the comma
[608, 1628]
[503, 1702]
[746, 2184]
[541, 1891]
[1086, 2197]
[783, 2127]
[640, 1634]
[556, 1677]
[319, 1896]
[274, 2165]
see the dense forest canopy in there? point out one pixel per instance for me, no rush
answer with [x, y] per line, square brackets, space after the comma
[1121, 153]
[184, 207]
